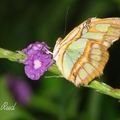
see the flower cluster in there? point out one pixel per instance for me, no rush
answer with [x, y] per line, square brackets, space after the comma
[38, 60]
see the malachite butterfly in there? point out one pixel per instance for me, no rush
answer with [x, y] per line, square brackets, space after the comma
[82, 54]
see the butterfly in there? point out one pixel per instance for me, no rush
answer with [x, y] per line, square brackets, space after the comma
[82, 54]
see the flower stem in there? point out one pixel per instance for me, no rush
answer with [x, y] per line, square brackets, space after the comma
[54, 69]
[12, 56]
[104, 89]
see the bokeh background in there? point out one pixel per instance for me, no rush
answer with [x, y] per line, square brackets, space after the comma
[23, 22]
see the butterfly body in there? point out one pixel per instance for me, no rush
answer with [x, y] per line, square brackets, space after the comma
[82, 54]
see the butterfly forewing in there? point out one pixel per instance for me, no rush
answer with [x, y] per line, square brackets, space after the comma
[82, 54]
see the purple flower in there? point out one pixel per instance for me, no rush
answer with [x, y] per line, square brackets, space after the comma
[38, 60]
[20, 90]
[37, 46]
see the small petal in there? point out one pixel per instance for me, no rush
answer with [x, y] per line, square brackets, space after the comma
[37, 46]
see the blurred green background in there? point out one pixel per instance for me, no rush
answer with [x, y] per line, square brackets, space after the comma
[25, 21]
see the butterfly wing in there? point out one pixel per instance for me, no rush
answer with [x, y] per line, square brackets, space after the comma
[82, 54]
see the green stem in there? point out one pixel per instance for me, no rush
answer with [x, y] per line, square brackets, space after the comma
[104, 89]
[12, 56]
[54, 69]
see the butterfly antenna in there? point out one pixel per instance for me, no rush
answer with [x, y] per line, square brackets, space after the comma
[66, 20]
